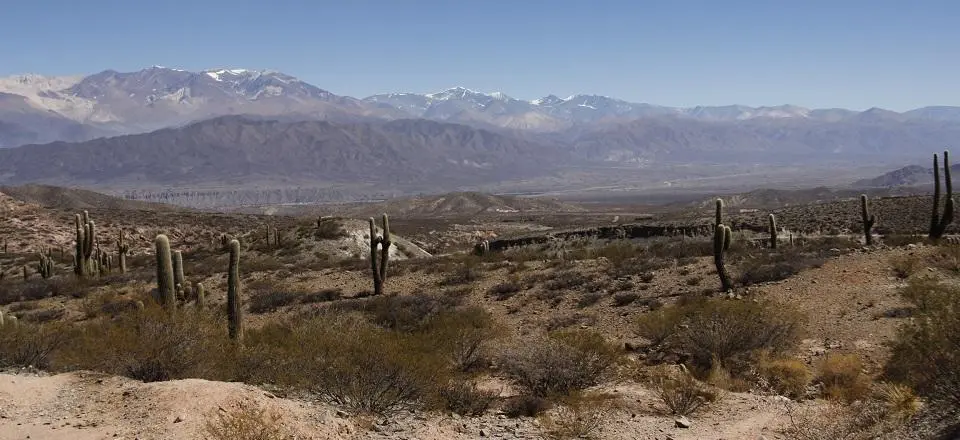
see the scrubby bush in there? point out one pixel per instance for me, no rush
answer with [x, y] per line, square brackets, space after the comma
[723, 330]
[525, 405]
[682, 394]
[28, 345]
[248, 421]
[926, 352]
[561, 363]
[465, 398]
[843, 378]
[505, 290]
[905, 266]
[786, 376]
[152, 346]
[270, 300]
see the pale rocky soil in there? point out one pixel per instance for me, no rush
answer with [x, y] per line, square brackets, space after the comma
[84, 405]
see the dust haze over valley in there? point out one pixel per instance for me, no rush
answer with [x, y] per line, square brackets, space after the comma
[297, 230]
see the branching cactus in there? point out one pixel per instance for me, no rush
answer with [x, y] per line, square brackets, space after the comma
[45, 266]
[122, 250]
[867, 219]
[86, 239]
[773, 231]
[721, 242]
[379, 269]
[165, 282]
[938, 222]
[234, 318]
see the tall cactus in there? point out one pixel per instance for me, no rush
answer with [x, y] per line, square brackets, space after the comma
[773, 231]
[122, 250]
[867, 219]
[165, 280]
[86, 241]
[45, 266]
[938, 223]
[721, 242]
[178, 279]
[201, 296]
[235, 318]
[719, 213]
[379, 271]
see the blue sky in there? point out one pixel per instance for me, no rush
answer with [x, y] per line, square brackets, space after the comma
[841, 53]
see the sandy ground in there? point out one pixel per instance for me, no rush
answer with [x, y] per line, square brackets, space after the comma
[84, 405]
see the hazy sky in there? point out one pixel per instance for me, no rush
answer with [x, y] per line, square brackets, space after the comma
[838, 53]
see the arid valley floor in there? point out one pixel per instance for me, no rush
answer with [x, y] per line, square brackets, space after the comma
[577, 335]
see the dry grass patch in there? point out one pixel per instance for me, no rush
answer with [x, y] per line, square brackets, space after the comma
[247, 421]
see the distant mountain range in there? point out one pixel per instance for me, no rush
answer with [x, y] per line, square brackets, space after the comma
[230, 130]
[39, 109]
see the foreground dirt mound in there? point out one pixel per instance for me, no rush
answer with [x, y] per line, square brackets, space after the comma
[83, 405]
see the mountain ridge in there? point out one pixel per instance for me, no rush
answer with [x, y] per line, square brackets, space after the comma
[111, 103]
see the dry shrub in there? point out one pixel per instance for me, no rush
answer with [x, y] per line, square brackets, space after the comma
[589, 299]
[660, 325]
[325, 295]
[681, 393]
[249, 421]
[624, 299]
[561, 363]
[573, 420]
[28, 345]
[731, 331]
[842, 377]
[504, 290]
[464, 335]
[926, 352]
[525, 405]
[151, 346]
[886, 411]
[266, 301]
[347, 360]
[565, 280]
[905, 266]
[465, 273]
[465, 398]
[329, 229]
[786, 376]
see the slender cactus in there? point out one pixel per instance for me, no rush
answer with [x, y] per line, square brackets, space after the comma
[867, 219]
[201, 296]
[45, 266]
[235, 319]
[773, 231]
[26, 274]
[165, 281]
[379, 271]
[938, 223]
[721, 242]
[178, 279]
[122, 250]
[719, 213]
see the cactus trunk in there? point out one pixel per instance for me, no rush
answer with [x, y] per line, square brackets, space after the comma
[379, 268]
[721, 242]
[938, 223]
[235, 320]
[165, 281]
[773, 231]
[867, 220]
